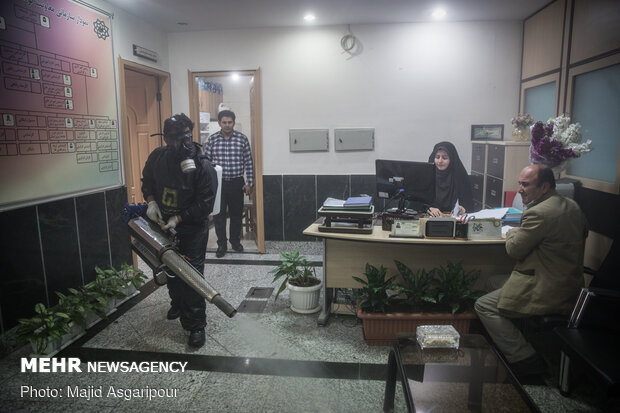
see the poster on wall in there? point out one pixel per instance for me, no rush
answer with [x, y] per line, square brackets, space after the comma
[58, 111]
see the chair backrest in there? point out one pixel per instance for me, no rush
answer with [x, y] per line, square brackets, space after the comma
[608, 274]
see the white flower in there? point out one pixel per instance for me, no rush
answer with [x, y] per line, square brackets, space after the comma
[581, 148]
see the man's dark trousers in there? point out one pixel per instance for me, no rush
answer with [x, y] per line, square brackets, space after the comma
[193, 245]
[232, 198]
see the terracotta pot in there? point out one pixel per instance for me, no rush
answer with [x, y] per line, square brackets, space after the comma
[380, 329]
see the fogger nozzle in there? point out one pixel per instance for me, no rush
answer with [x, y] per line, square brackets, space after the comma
[156, 249]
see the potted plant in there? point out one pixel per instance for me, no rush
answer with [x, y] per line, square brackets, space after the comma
[453, 287]
[45, 330]
[440, 296]
[299, 276]
[101, 294]
[132, 279]
[76, 307]
[374, 297]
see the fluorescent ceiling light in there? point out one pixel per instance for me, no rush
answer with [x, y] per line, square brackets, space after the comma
[439, 13]
[309, 17]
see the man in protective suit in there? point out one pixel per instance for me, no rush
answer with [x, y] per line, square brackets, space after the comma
[178, 187]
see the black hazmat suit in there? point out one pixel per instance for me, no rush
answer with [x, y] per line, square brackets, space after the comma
[452, 184]
[191, 196]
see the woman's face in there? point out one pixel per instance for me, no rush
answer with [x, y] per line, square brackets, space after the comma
[442, 160]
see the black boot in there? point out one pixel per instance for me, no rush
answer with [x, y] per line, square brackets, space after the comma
[197, 338]
[173, 313]
[221, 251]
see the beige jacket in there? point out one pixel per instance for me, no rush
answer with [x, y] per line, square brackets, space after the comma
[548, 248]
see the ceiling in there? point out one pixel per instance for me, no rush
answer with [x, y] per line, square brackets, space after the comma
[244, 14]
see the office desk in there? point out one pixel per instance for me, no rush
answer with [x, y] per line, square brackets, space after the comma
[470, 379]
[346, 255]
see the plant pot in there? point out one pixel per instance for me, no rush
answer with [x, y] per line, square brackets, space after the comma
[91, 318]
[305, 300]
[521, 134]
[53, 347]
[381, 329]
[129, 292]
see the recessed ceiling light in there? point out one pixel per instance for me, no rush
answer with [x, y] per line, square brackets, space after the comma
[439, 13]
[309, 17]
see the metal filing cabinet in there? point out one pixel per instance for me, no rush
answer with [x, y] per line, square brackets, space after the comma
[495, 168]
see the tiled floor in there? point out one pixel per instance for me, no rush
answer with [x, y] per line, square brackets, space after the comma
[274, 361]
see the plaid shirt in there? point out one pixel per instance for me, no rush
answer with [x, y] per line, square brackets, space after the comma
[233, 155]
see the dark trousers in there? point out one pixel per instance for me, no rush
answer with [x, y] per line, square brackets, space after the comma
[232, 198]
[193, 245]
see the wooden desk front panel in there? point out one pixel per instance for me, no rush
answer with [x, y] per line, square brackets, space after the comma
[345, 259]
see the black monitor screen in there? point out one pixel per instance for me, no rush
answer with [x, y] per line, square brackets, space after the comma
[415, 181]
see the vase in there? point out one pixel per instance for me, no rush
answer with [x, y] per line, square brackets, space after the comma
[556, 166]
[558, 169]
[521, 134]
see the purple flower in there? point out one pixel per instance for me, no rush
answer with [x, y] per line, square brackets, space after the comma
[538, 131]
[546, 150]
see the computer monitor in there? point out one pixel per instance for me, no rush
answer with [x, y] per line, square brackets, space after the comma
[406, 181]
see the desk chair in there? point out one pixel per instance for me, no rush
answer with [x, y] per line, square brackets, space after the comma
[589, 341]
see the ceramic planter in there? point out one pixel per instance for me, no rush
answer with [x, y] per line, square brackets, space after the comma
[305, 300]
[54, 345]
[380, 329]
[129, 292]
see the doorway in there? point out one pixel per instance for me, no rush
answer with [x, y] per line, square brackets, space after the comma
[145, 102]
[240, 92]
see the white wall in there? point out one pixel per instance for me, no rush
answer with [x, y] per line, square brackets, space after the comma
[416, 84]
[128, 30]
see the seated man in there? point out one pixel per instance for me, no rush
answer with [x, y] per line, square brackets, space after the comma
[548, 276]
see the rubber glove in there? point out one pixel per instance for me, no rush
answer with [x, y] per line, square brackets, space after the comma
[154, 213]
[173, 221]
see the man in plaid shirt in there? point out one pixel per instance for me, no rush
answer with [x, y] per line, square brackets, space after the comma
[231, 150]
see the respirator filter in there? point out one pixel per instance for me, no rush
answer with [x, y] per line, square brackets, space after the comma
[185, 150]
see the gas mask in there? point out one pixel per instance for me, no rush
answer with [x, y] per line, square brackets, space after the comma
[184, 149]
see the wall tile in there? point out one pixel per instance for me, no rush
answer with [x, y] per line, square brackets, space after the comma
[272, 201]
[119, 234]
[93, 234]
[367, 184]
[334, 186]
[60, 246]
[299, 196]
[22, 283]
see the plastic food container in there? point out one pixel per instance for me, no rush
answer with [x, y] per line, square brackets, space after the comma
[437, 337]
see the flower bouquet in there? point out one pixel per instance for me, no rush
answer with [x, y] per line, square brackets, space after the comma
[522, 120]
[557, 141]
[521, 131]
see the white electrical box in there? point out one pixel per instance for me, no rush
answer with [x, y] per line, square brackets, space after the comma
[305, 140]
[355, 139]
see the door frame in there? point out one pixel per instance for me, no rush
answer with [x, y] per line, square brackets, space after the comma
[257, 135]
[165, 105]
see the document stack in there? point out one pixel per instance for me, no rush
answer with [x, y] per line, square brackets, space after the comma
[512, 217]
[358, 203]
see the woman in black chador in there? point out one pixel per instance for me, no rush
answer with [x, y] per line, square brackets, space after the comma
[451, 181]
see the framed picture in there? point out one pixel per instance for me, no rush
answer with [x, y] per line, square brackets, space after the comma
[487, 132]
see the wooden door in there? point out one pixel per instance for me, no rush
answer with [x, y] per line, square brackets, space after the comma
[142, 120]
[257, 150]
